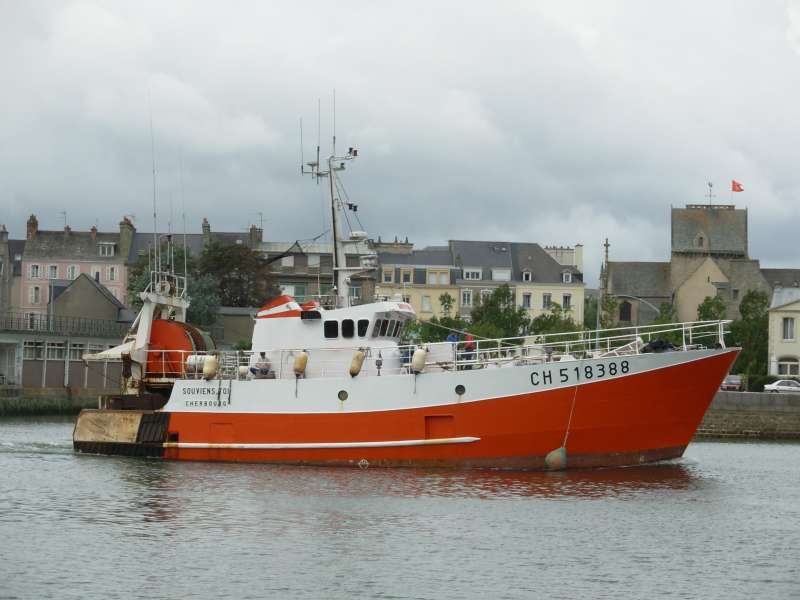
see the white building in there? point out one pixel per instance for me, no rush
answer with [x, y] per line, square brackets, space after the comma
[784, 342]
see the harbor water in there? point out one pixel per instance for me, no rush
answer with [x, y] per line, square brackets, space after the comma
[723, 522]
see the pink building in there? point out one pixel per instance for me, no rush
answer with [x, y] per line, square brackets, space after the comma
[54, 258]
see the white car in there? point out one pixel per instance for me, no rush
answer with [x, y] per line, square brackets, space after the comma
[783, 385]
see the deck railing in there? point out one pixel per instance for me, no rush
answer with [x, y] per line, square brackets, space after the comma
[532, 349]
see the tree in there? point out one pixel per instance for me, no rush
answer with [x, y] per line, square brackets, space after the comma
[666, 315]
[498, 315]
[608, 311]
[556, 320]
[202, 289]
[751, 333]
[711, 309]
[590, 313]
[242, 273]
[447, 301]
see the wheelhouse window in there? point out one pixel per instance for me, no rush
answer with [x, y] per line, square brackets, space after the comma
[396, 330]
[363, 326]
[788, 328]
[376, 330]
[331, 329]
[348, 328]
[384, 327]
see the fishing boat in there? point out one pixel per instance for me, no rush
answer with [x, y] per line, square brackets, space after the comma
[329, 382]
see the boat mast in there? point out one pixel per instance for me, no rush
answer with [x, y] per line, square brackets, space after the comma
[335, 163]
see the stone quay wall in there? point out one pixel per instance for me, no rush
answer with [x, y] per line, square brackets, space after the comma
[752, 415]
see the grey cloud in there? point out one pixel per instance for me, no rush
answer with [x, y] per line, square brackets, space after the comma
[526, 121]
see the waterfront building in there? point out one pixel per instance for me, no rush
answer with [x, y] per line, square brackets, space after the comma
[784, 341]
[468, 270]
[305, 270]
[709, 257]
[51, 258]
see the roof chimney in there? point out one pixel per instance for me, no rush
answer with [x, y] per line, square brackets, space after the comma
[67, 230]
[93, 231]
[256, 236]
[3, 234]
[33, 227]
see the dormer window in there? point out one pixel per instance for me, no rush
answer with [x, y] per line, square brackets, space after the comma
[106, 249]
[566, 277]
[527, 276]
[474, 274]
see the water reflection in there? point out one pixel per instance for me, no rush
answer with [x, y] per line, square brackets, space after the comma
[161, 485]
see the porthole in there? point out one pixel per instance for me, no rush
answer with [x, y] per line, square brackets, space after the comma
[460, 389]
[342, 395]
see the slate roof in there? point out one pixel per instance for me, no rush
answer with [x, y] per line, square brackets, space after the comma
[640, 279]
[76, 245]
[468, 253]
[724, 229]
[783, 296]
[433, 256]
[543, 267]
[194, 242]
[786, 278]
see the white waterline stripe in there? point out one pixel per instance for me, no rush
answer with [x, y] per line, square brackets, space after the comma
[323, 445]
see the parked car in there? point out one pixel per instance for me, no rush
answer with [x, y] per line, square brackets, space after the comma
[732, 383]
[783, 385]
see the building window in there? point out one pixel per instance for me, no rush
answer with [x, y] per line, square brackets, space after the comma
[33, 350]
[406, 298]
[55, 350]
[547, 301]
[700, 241]
[106, 249]
[73, 271]
[313, 260]
[444, 278]
[566, 277]
[32, 320]
[566, 301]
[33, 272]
[788, 328]
[735, 294]
[76, 351]
[111, 273]
[625, 311]
[485, 295]
[474, 274]
[527, 276]
[788, 366]
[52, 272]
[426, 304]
[355, 292]
[34, 294]
[287, 261]
[96, 272]
[466, 297]
[526, 300]
[405, 276]
[432, 277]
[388, 276]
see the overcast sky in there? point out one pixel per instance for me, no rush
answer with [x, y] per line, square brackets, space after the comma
[548, 122]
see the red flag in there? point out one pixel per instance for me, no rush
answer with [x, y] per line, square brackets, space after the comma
[736, 186]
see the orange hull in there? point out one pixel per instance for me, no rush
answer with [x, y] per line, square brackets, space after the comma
[644, 417]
